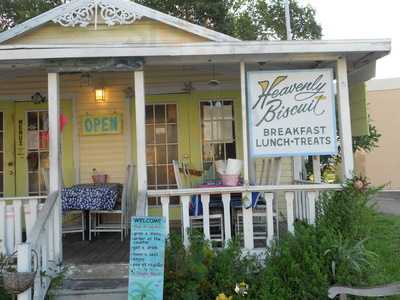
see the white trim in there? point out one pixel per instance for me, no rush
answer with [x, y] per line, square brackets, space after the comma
[236, 51]
[344, 119]
[54, 103]
[122, 4]
[76, 141]
[245, 189]
[245, 147]
[383, 84]
[141, 205]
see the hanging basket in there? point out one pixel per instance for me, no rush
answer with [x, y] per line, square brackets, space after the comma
[17, 282]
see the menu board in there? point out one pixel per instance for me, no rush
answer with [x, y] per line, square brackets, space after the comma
[146, 266]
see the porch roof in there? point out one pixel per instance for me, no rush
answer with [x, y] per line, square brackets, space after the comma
[355, 50]
[361, 55]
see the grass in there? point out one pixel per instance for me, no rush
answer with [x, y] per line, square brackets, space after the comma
[385, 242]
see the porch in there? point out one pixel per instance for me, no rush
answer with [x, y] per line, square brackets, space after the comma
[36, 224]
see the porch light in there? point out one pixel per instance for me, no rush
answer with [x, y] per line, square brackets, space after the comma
[100, 95]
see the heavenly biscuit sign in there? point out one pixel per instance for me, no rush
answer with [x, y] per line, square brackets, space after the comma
[291, 113]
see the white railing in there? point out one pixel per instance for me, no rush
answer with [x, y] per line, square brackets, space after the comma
[248, 221]
[17, 217]
[43, 239]
[304, 202]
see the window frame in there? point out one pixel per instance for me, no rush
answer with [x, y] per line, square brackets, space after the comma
[165, 103]
[234, 124]
[40, 192]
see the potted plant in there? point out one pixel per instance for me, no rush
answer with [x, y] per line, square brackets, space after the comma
[14, 282]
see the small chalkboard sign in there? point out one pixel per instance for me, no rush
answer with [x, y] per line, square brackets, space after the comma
[146, 267]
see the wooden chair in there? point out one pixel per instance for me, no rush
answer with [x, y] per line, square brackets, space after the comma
[377, 291]
[66, 227]
[196, 222]
[96, 222]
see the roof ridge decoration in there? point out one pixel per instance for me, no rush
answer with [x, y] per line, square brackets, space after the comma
[84, 14]
[114, 12]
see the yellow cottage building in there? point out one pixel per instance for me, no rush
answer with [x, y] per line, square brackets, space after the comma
[91, 87]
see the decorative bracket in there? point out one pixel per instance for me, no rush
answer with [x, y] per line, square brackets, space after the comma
[110, 13]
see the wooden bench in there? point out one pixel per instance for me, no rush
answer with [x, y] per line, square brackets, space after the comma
[377, 291]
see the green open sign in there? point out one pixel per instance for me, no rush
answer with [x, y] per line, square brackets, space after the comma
[101, 124]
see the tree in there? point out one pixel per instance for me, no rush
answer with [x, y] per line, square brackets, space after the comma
[244, 19]
[16, 11]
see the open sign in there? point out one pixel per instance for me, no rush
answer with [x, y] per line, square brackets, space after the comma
[101, 124]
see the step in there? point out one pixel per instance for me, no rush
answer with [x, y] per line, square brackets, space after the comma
[92, 282]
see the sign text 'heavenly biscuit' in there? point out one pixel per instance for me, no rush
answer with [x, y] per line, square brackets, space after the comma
[291, 113]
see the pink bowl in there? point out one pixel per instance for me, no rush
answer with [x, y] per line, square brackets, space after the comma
[100, 178]
[230, 180]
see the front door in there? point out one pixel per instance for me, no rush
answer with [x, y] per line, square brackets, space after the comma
[161, 146]
[7, 153]
[31, 148]
[37, 151]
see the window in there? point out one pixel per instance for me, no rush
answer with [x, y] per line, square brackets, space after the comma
[161, 147]
[38, 151]
[218, 134]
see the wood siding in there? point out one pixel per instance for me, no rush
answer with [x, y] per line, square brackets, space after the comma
[142, 31]
[106, 153]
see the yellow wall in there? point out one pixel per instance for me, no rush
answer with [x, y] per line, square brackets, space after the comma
[142, 31]
[106, 153]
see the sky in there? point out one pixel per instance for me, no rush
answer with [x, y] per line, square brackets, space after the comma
[363, 19]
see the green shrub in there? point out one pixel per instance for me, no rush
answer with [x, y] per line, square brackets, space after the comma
[347, 212]
[203, 273]
[302, 265]
[296, 267]
[4, 295]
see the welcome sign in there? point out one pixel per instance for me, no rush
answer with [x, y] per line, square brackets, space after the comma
[291, 113]
[101, 124]
[146, 267]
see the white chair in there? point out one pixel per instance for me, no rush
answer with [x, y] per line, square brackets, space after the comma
[196, 222]
[98, 224]
[67, 227]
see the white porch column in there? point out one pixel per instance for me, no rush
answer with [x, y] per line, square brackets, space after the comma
[247, 213]
[344, 118]
[165, 213]
[140, 110]
[24, 264]
[226, 201]
[244, 123]
[205, 201]
[55, 156]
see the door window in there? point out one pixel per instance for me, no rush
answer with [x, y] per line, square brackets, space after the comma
[218, 134]
[38, 151]
[161, 146]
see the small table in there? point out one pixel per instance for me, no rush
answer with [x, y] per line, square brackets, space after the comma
[91, 196]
